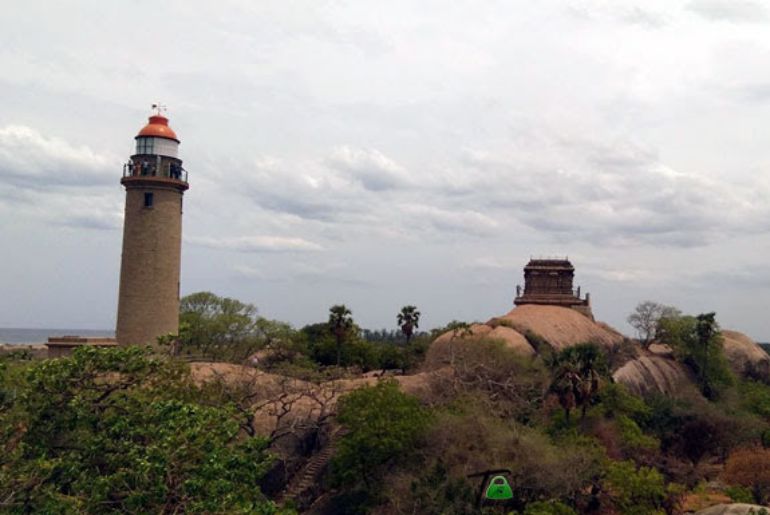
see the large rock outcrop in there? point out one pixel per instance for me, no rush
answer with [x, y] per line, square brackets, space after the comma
[745, 356]
[443, 348]
[561, 327]
[557, 326]
[733, 509]
[652, 374]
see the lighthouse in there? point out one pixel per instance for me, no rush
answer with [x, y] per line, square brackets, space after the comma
[155, 182]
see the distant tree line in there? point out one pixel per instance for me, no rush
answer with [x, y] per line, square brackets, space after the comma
[224, 329]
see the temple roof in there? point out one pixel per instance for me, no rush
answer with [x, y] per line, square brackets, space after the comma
[549, 264]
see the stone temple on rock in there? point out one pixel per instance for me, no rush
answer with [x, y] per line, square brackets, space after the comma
[549, 282]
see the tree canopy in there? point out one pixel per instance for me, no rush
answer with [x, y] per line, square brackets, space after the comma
[408, 320]
[646, 319]
[577, 375]
[340, 324]
[221, 328]
[697, 342]
[118, 430]
[383, 424]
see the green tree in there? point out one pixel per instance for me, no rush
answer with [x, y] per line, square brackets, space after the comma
[383, 425]
[646, 319]
[117, 430]
[217, 327]
[408, 320]
[636, 491]
[576, 376]
[707, 332]
[221, 328]
[697, 342]
[340, 323]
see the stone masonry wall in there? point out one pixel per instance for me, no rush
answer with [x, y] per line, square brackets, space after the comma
[148, 303]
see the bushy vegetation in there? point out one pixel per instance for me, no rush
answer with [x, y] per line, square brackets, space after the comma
[222, 329]
[119, 430]
[698, 344]
[635, 491]
[646, 319]
[578, 373]
[382, 425]
[750, 468]
[126, 430]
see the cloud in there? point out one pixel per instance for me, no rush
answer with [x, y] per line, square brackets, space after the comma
[257, 244]
[628, 274]
[300, 188]
[296, 271]
[460, 221]
[90, 208]
[752, 277]
[250, 272]
[29, 159]
[568, 188]
[755, 93]
[730, 10]
[618, 194]
[491, 263]
[626, 14]
[370, 167]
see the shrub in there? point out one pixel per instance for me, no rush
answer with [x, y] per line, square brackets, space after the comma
[466, 439]
[621, 353]
[435, 491]
[456, 326]
[616, 400]
[740, 494]
[627, 411]
[499, 379]
[663, 416]
[698, 344]
[698, 437]
[750, 468]
[635, 491]
[540, 344]
[755, 397]
[117, 430]
[548, 508]
[632, 436]
[384, 425]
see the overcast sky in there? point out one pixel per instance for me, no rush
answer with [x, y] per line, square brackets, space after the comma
[379, 154]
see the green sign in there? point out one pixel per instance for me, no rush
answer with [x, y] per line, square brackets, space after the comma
[499, 489]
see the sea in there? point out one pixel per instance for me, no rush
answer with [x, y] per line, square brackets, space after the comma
[19, 336]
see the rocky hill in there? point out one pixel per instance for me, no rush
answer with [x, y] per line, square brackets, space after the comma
[527, 327]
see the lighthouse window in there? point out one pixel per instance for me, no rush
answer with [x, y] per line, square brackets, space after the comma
[144, 146]
[148, 199]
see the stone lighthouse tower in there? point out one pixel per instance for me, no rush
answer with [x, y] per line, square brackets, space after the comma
[155, 182]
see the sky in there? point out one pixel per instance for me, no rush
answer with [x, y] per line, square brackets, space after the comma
[379, 154]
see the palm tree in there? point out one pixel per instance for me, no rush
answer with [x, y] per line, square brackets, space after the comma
[408, 320]
[340, 322]
[577, 375]
[565, 385]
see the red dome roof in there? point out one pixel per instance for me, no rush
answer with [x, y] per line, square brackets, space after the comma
[158, 127]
